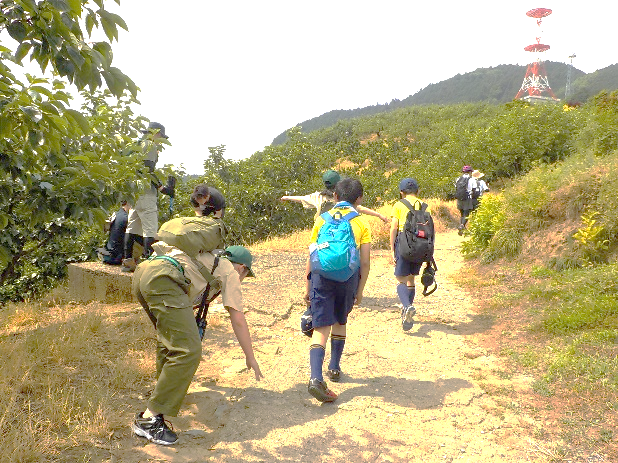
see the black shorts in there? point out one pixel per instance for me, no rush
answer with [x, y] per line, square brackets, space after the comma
[403, 268]
[332, 301]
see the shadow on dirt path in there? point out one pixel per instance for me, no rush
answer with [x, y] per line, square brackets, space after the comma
[403, 396]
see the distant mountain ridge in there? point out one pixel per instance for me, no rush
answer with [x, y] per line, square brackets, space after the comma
[495, 85]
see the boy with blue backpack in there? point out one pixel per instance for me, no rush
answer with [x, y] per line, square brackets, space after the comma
[337, 271]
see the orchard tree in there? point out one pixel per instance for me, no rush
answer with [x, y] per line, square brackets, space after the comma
[61, 169]
[216, 165]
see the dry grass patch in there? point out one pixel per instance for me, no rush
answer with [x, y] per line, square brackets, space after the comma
[445, 214]
[67, 376]
[295, 242]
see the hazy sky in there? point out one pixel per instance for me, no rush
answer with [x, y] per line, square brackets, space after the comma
[238, 73]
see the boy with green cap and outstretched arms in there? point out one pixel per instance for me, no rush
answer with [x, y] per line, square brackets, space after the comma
[324, 200]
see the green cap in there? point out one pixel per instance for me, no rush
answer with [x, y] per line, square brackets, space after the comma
[240, 255]
[330, 178]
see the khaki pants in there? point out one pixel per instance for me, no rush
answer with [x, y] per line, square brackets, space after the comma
[162, 291]
[143, 218]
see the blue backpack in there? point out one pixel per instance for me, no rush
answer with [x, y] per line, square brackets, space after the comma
[334, 255]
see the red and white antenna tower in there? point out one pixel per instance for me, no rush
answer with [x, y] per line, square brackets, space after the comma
[535, 85]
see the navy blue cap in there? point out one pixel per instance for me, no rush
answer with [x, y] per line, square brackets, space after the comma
[156, 126]
[408, 185]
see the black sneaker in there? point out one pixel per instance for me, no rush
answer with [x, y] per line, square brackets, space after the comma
[334, 375]
[154, 429]
[319, 390]
[407, 320]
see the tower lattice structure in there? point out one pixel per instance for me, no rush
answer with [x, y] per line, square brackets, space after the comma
[535, 84]
[567, 92]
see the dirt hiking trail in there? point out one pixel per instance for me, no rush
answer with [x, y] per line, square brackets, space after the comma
[403, 396]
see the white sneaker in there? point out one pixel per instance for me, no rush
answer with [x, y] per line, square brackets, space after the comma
[407, 317]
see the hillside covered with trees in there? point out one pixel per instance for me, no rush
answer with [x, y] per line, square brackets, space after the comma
[493, 85]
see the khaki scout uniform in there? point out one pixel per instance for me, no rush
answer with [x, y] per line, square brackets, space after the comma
[144, 217]
[168, 296]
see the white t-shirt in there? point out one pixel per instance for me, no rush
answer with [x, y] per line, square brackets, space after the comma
[312, 201]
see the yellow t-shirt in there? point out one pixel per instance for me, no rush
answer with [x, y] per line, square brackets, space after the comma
[362, 232]
[400, 210]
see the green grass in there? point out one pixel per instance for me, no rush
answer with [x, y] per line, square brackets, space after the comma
[579, 314]
[583, 367]
[582, 314]
[541, 272]
[578, 300]
[569, 344]
[583, 186]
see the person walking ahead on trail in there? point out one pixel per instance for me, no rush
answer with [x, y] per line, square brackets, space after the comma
[482, 186]
[323, 201]
[330, 299]
[405, 271]
[466, 192]
[169, 285]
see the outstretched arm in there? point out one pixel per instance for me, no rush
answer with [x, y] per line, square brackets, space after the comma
[241, 330]
[366, 210]
[298, 199]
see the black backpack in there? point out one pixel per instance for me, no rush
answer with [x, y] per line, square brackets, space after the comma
[416, 242]
[476, 193]
[461, 188]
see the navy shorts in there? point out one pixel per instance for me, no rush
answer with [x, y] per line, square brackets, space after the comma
[403, 268]
[332, 301]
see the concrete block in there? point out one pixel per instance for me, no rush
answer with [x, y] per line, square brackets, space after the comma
[95, 281]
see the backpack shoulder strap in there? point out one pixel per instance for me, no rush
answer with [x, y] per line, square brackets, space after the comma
[406, 203]
[411, 207]
[327, 217]
[209, 285]
[202, 311]
[207, 274]
[351, 215]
